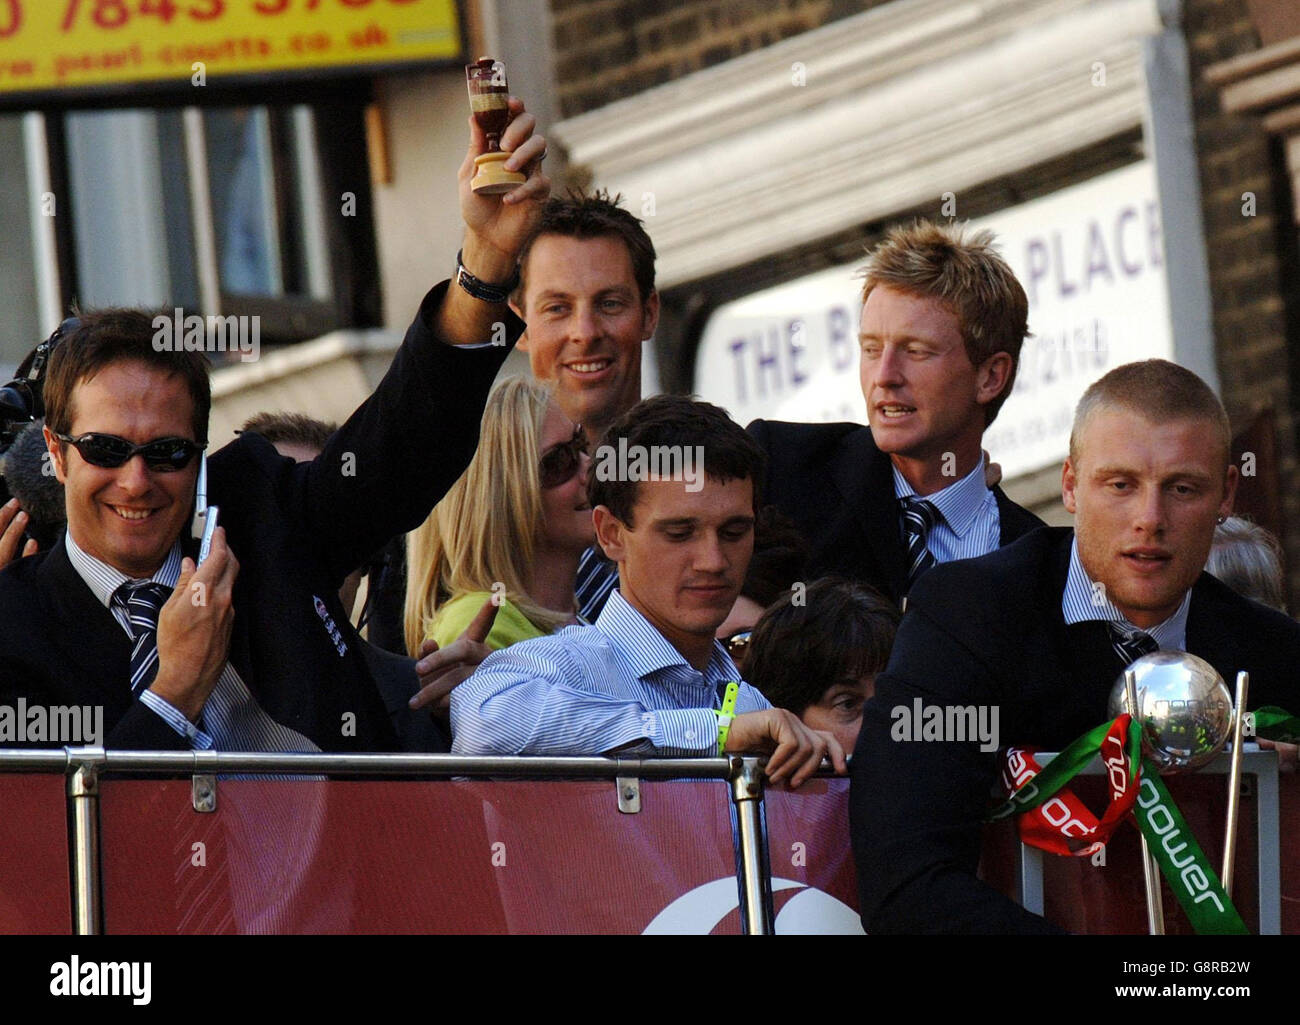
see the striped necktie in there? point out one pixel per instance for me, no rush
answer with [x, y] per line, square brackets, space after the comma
[597, 577]
[1131, 646]
[919, 518]
[142, 601]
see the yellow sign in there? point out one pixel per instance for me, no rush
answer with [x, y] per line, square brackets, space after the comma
[60, 44]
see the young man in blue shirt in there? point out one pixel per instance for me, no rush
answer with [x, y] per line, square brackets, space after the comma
[672, 492]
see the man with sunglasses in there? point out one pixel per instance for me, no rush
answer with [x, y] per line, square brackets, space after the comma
[250, 650]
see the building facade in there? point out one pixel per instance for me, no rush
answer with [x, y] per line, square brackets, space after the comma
[1147, 206]
[1137, 157]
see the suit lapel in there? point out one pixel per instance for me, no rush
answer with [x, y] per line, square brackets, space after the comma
[1014, 521]
[1092, 660]
[1207, 638]
[1085, 647]
[864, 476]
[88, 636]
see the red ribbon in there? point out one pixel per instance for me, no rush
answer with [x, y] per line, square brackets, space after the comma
[1063, 824]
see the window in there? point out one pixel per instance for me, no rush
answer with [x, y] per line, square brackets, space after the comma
[20, 206]
[232, 210]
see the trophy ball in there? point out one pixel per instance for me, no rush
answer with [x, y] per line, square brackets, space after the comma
[1184, 707]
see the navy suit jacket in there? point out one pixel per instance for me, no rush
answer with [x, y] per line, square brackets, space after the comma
[838, 487]
[990, 631]
[297, 530]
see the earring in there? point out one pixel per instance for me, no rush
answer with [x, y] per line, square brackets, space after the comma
[1220, 520]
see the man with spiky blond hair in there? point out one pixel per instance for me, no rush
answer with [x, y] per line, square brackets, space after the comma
[943, 319]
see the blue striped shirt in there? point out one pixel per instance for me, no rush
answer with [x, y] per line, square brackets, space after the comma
[1083, 601]
[234, 719]
[970, 525]
[590, 689]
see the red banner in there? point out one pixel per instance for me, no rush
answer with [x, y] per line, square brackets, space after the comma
[35, 886]
[530, 857]
[293, 857]
[814, 882]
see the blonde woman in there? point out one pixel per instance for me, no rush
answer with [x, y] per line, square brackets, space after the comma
[512, 529]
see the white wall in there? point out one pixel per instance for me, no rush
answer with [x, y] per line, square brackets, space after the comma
[417, 217]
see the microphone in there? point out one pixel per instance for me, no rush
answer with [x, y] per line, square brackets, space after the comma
[38, 492]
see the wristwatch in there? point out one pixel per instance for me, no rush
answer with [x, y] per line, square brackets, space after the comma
[481, 289]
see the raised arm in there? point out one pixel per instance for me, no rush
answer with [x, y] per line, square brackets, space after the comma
[401, 450]
[496, 227]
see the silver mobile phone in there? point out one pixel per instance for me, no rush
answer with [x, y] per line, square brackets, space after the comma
[204, 524]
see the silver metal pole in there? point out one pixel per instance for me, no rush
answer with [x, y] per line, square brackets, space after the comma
[1269, 836]
[1155, 899]
[205, 238]
[45, 243]
[747, 793]
[1150, 870]
[189, 763]
[83, 790]
[1234, 785]
[66, 759]
[1029, 877]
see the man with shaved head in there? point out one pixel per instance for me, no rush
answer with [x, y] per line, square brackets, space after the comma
[1040, 630]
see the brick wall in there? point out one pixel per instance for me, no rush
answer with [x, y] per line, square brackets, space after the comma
[1251, 258]
[609, 49]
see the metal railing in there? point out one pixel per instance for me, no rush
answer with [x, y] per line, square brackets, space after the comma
[85, 766]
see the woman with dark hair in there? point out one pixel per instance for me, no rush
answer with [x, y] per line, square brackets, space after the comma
[817, 651]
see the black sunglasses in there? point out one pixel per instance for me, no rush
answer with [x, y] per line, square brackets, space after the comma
[560, 462]
[737, 644]
[166, 455]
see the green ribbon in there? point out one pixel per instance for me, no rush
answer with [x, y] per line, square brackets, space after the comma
[1273, 723]
[1065, 766]
[1181, 860]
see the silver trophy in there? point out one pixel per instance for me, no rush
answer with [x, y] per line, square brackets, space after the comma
[1187, 715]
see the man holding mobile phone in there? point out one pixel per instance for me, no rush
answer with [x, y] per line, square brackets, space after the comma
[250, 650]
